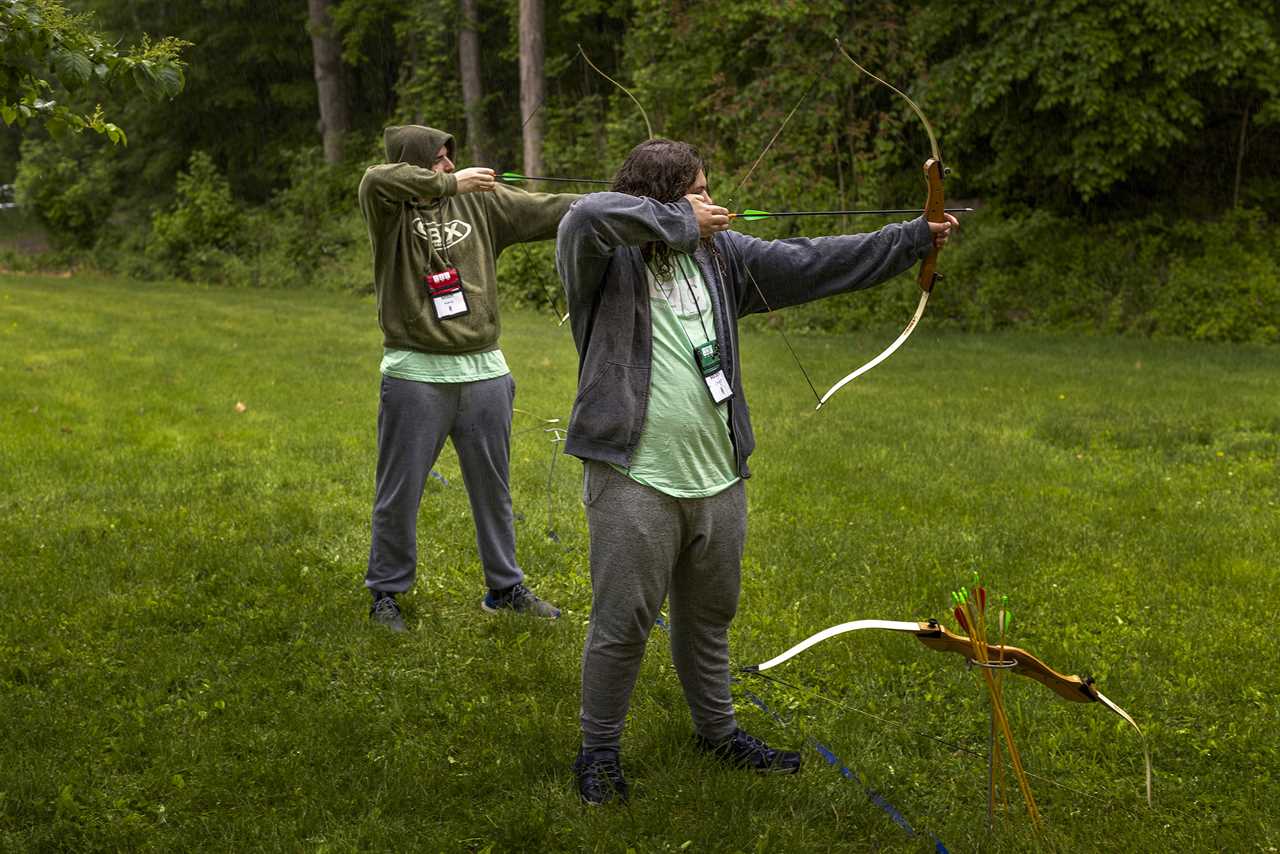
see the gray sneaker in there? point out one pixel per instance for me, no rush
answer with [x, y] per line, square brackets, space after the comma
[386, 612]
[520, 600]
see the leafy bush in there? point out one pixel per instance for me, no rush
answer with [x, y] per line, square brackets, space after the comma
[199, 236]
[1212, 281]
[527, 277]
[1230, 290]
[311, 233]
[70, 187]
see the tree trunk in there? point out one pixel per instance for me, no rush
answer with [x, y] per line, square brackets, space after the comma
[472, 88]
[1244, 129]
[532, 83]
[331, 89]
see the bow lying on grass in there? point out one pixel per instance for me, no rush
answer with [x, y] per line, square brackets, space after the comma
[934, 635]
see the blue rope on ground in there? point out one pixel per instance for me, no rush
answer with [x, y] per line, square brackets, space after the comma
[835, 761]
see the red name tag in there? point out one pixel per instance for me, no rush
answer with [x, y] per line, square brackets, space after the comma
[444, 282]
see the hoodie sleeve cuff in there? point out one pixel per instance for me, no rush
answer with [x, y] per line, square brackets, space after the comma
[923, 237]
[689, 240]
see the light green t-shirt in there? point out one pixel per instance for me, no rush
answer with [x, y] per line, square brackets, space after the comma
[443, 367]
[684, 449]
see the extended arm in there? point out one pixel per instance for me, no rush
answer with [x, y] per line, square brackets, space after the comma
[798, 270]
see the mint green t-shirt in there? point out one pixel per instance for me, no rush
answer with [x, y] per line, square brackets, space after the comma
[443, 367]
[684, 449]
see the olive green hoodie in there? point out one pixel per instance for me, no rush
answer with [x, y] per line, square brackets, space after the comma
[419, 224]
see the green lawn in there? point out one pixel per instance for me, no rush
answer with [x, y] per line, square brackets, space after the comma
[186, 664]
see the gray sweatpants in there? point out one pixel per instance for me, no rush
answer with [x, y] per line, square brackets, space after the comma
[644, 546]
[414, 419]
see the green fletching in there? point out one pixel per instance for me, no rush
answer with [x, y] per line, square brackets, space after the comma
[511, 177]
[750, 215]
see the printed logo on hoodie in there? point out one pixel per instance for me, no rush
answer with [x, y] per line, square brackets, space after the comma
[442, 235]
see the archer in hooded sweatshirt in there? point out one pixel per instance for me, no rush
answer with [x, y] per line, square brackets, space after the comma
[436, 235]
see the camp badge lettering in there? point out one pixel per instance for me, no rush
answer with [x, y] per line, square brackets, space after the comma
[442, 235]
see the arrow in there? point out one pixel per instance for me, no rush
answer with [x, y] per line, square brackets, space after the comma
[752, 215]
[516, 178]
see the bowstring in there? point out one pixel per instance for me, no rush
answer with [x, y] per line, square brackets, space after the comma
[729, 202]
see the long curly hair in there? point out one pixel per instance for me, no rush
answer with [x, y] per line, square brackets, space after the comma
[660, 169]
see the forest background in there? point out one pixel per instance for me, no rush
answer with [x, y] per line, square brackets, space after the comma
[1122, 157]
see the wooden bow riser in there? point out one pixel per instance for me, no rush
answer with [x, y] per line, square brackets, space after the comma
[934, 211]
[1071, 688]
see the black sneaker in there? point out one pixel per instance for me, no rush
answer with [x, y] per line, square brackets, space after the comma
[742, 750]
[386, 611]
[519, 599]
[600, 777]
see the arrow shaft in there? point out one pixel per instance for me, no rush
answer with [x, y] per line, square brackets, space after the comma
[765, 214]
[513, 179]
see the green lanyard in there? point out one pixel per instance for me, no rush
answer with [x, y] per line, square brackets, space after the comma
[693, 295]
[706, 356]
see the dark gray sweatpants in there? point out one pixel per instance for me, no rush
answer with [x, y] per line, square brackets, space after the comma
[414, 419]
[644, 546]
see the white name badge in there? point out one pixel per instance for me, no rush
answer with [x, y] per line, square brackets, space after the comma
[719, 387]
[450, 305]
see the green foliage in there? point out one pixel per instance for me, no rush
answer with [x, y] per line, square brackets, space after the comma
[186, 661]
[50, 55]
[311, 234]
[250, 98]
[70, 187]
[527, 277]
[1054, 103]
[1160, 113]
[1207, 281]
[1227, 291]
[198, 237]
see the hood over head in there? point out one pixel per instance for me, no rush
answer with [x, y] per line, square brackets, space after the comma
[415, 144]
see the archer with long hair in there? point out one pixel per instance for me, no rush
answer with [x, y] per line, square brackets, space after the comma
[655, 284]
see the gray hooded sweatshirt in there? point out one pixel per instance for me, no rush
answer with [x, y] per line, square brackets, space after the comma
[598, 256]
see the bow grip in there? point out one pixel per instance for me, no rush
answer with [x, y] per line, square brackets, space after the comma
[934, 207]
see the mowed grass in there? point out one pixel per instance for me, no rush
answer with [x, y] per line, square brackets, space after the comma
[186, 663]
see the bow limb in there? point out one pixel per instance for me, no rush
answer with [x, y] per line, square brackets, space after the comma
[826, 634]
[934, 211]
[934, 171]
[884, 354]
[933, 139]
[648, 127]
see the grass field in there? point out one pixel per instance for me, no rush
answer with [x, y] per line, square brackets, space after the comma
[186, 663]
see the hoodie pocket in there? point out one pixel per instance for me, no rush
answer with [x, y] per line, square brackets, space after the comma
[609, 409]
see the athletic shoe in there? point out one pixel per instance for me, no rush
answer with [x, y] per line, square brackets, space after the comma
[520, 600]
[600, 777]
[386, 611]
[742, 750]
